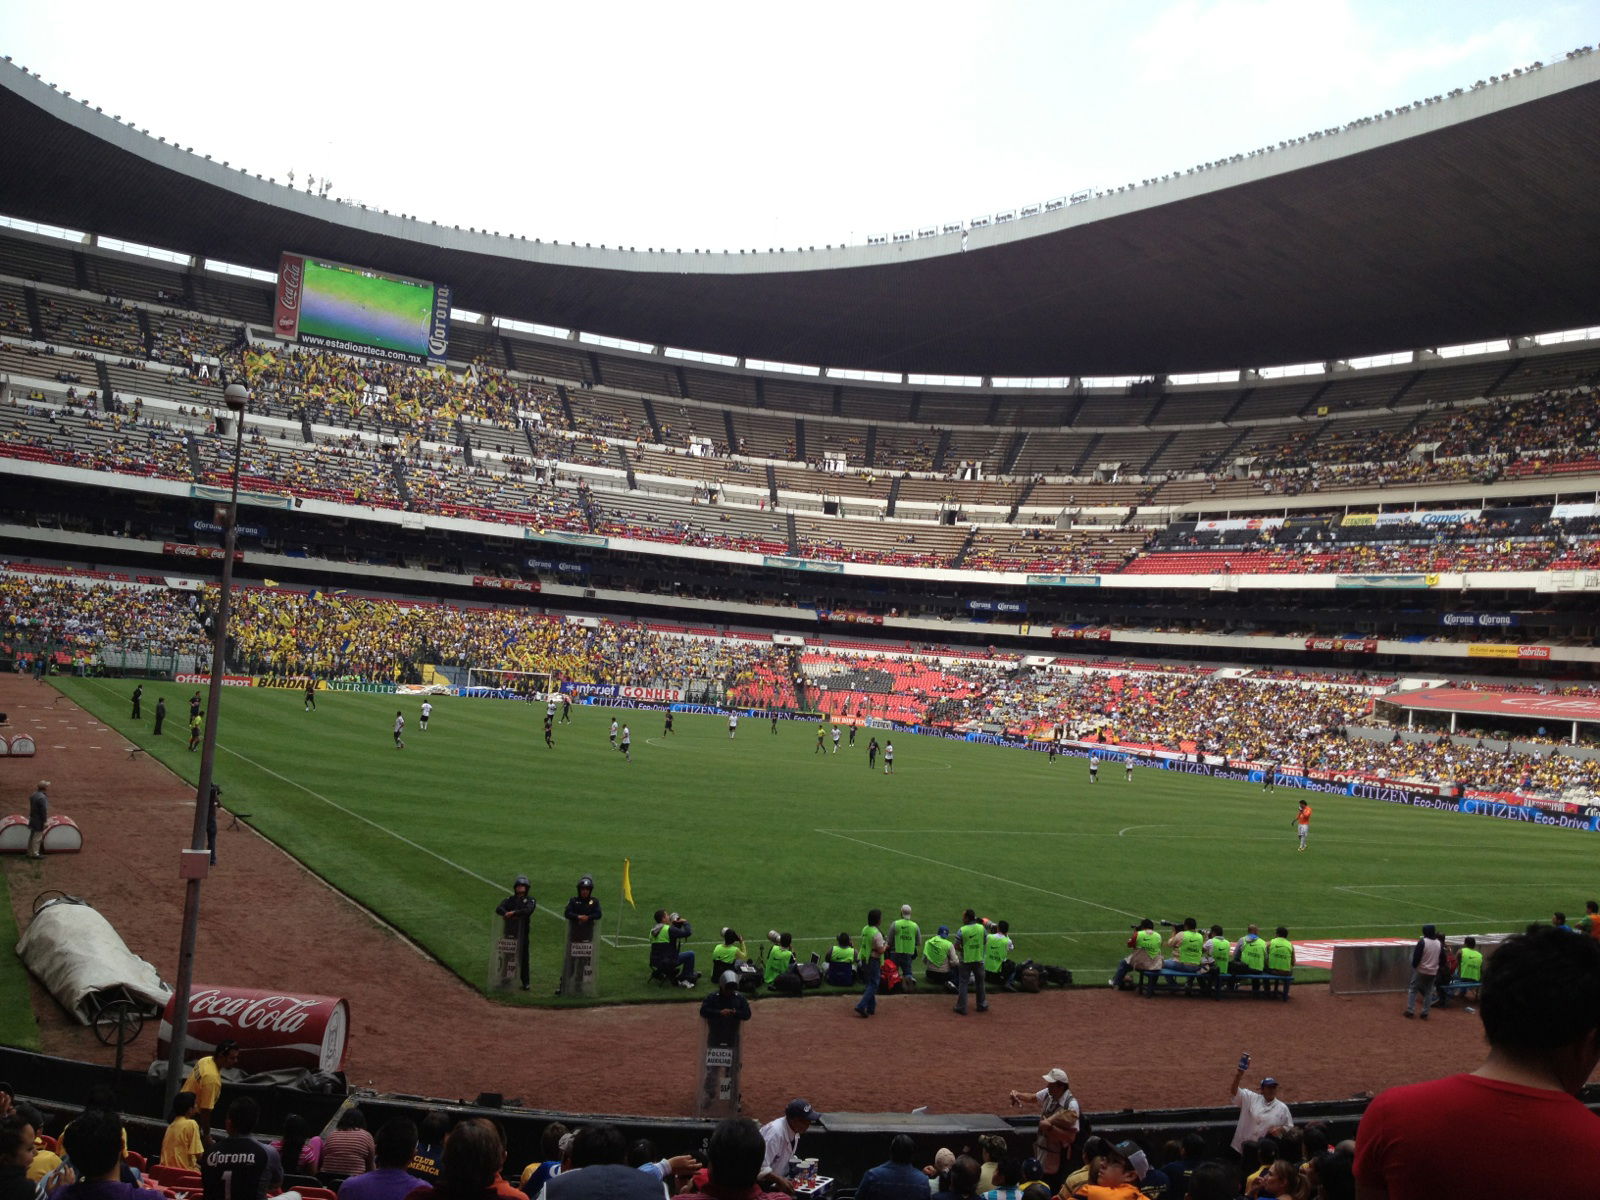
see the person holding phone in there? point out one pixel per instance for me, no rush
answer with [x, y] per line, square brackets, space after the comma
[1259, 1112]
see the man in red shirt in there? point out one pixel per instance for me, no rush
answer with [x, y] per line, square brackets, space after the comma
[1540, 1008]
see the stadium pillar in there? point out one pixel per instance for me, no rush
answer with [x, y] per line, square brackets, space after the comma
[235, 397]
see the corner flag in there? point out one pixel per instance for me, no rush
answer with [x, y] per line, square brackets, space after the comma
[627, 882]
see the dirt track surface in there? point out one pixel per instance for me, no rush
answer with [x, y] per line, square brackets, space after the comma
[416, 1028]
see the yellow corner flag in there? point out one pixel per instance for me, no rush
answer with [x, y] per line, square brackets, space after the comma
[627, 882]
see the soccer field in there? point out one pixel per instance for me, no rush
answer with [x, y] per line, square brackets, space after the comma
[763, 833]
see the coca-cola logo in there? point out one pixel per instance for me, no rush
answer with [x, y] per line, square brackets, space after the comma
[271, 1014]
[289, 286]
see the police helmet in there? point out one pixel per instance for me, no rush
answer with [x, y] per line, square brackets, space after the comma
[586, 882]
[521, 881]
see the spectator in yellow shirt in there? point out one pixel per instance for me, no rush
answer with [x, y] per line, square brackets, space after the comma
[205, 1081]
[181, 1145]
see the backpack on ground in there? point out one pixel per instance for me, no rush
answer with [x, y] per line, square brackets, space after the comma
[1059, 976]
[749, 976]
[787, 984]
[810, 975]
[1030, 978]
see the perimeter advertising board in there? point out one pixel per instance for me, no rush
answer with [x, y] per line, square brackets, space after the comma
[357, 310]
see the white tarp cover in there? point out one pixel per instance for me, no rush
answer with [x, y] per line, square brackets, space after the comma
[76, 953]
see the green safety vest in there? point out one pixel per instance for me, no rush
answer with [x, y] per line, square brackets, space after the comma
[871, 935]
[725, 954]
[1191, 947]
[936, 951]
[662, 934]
[844, 954]
[779, 961]
[972, 943]
[905, 935]
[994, 955]
[1149, 941]
[1280, 954]
[1471, 966]
[1220, 949]
[1253, 953]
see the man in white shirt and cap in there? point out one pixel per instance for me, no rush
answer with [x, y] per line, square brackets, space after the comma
[1260, 1113]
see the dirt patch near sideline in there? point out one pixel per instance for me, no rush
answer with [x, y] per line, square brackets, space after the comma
[416, 1028]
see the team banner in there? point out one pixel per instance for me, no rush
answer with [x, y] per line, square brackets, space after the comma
[558, 535]
[1063, 581]
[1235, 523]
[1357, 520]
[803, 564]
[1386, 581]
[494, 582]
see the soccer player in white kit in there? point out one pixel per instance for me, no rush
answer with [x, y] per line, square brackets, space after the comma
[427, 711]
[733, 725]
[399, 728]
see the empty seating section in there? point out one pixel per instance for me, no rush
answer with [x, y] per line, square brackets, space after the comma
[1132, 450]
[553, 363]
[859, 686]
[1052, 452]
[687, 467]
[1445, 384]
[150, 280]
[1195, 450]
[869, 405]
[964, 408]
[237, 299]
[794, 396]
[1579, 368]
[453, 489]
[1360, 392]
[1285, 400]
[716, 387]
[1113, 412]
[862, 484]
[40, 262]
[680, 422]
[625, 374]
[984, 446]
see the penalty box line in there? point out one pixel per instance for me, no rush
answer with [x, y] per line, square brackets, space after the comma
[972, 871]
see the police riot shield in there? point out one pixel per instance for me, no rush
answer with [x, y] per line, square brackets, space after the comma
[505, 960]
[719, 1072]
[578, 975]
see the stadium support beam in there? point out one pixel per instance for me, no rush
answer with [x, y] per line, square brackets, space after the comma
[235, 397]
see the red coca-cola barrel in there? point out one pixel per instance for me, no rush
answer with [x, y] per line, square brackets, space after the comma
[276, 1031]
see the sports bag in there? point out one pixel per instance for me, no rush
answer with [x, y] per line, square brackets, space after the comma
[810, 975]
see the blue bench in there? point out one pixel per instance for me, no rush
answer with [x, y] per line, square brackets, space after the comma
[1213, 985]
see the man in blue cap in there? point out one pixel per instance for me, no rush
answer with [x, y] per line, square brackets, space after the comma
[782, 1136]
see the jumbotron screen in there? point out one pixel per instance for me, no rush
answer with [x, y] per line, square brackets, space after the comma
[356, 310]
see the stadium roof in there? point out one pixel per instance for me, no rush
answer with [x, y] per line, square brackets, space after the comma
[1500, 704]
[1468, 218]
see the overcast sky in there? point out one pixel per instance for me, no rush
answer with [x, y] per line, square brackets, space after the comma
[727, 125]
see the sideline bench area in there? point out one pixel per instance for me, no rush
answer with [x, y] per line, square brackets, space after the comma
[1192, 983]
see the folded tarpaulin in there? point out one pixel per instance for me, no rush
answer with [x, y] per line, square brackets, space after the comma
[79, 956]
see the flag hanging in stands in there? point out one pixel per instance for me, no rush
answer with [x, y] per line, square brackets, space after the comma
[269, 582]
[627, 882]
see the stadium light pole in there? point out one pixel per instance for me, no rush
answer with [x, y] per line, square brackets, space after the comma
[235, 397]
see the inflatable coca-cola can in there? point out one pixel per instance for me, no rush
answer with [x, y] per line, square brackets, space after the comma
[276, 1031]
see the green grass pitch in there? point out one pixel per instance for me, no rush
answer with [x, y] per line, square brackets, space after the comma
[763, 833]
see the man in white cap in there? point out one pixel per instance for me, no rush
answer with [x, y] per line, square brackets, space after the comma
[1260, 1112]
[782, 1136]
[1058, 1120]
[904, 938]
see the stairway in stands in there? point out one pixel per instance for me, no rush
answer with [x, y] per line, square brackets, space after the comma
[960, 555]
[802, 697]
[566, 405]
[1022, 498]
[794, 534]
[894, 496]
[104, 376]
[30, 297]
[627, 468]
[650, 415]
[399, 472]
[464, 436]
